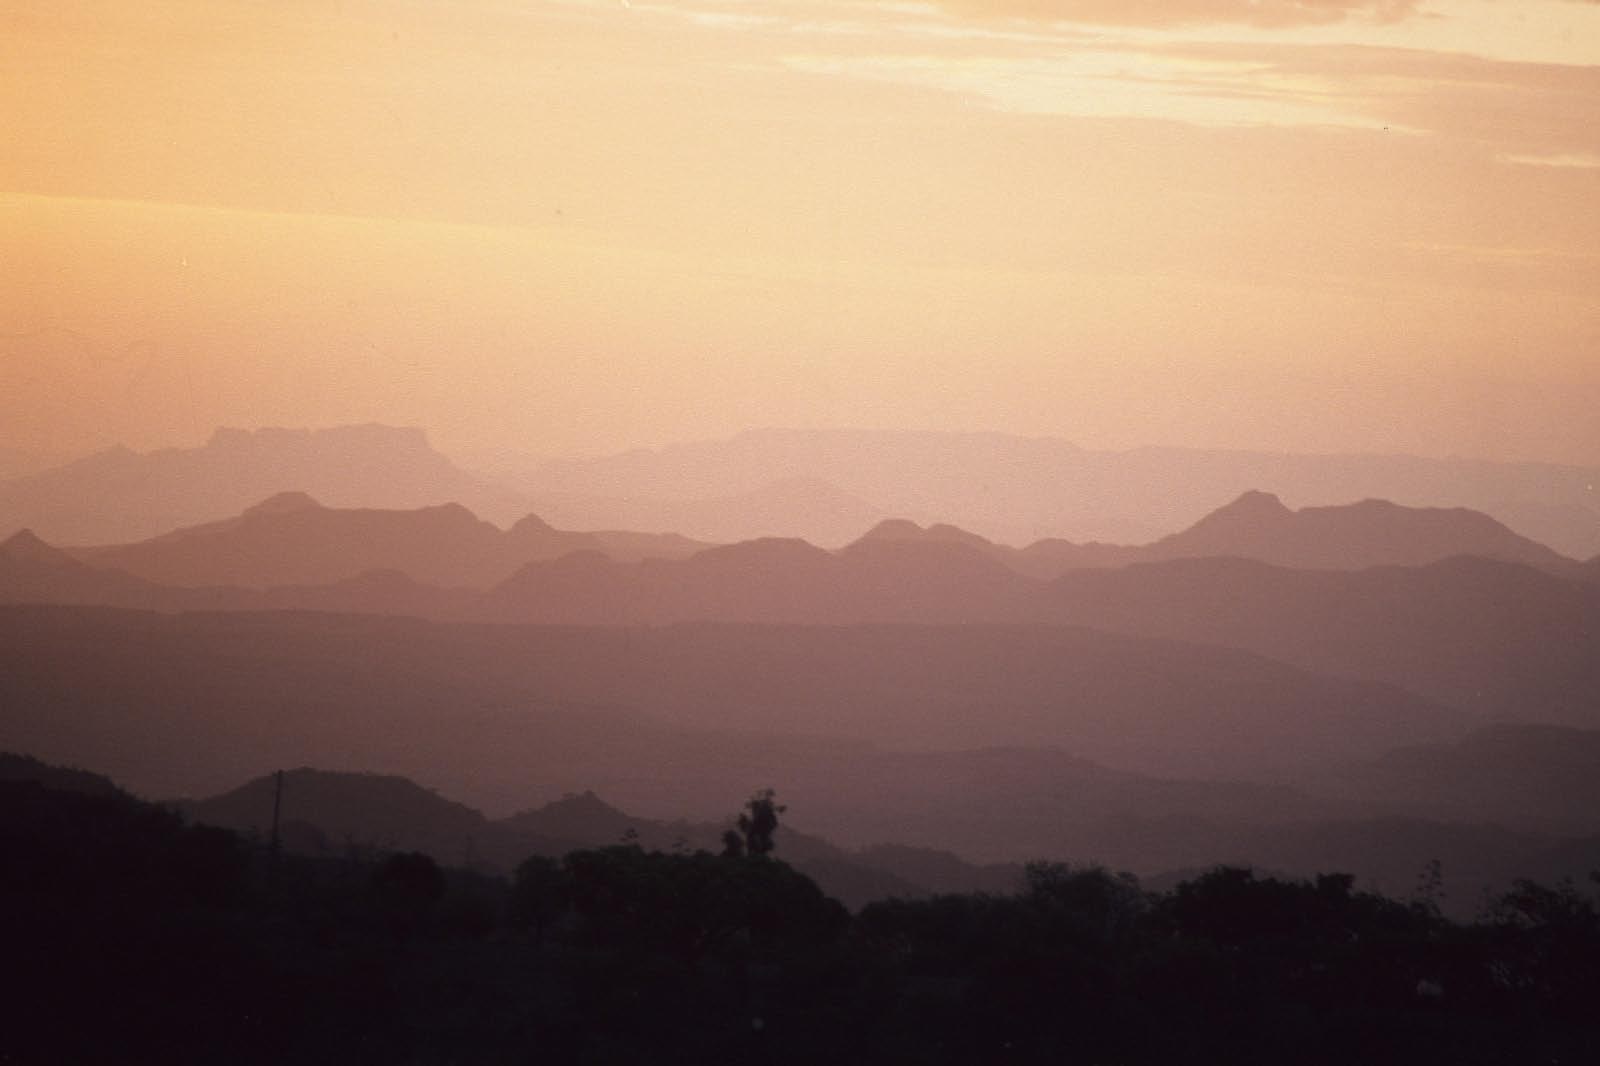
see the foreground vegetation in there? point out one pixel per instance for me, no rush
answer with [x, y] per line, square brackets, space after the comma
[135, 938]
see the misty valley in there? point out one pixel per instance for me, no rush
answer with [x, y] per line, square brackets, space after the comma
[813, 532]
[346, 779]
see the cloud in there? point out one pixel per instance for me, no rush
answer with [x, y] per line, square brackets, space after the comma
[1261, 13]
[1546, 110]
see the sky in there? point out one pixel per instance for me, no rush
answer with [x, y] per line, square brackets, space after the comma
[564, 226]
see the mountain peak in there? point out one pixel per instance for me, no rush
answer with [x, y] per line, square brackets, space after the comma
[25, 544]
[901, 530]
[762, 552]
[894, 529]
[576, 816]
[1254, 511]
[1255, 503]
[531, 523]
[285, 503]
[581, 804]
[944, 531]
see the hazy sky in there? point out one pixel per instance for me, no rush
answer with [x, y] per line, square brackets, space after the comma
[581, 226]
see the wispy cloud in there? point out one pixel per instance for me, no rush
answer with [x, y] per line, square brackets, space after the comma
[1578, 161]
[1116, 83]
[1267, 13]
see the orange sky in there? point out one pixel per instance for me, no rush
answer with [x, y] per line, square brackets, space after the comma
[573, 226]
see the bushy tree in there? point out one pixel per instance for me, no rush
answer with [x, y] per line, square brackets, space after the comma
[758, 822]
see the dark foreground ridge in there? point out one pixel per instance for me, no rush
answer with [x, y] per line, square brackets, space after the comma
[144, 939]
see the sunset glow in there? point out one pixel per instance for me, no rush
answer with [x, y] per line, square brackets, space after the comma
[573, 226]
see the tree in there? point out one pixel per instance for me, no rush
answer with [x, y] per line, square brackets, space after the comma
[757, 823]
[407, 886]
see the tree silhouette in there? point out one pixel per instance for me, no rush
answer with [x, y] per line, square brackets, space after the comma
[758, 822]
[406, 887]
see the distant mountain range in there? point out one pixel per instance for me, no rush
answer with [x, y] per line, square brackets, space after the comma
[291, 539]
[1361, 685]
[1258, 526]
[121, 495]
[825, 486]
[183, 704]
[1492, 637]
[1017, 490]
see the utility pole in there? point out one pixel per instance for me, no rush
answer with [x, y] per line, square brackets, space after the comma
[277, 806]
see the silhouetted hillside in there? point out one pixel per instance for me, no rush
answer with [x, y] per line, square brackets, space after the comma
[146, 940]
[1117, 819]
[25, 768]
[336, 815]
[369, 811]
[854, 878]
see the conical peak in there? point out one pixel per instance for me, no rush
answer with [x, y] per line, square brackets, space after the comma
[25, 543]
[285, 503]
[1256, 502]
[894, 529]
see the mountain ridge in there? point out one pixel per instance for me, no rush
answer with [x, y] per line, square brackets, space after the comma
[1019, 490]
[120, 495]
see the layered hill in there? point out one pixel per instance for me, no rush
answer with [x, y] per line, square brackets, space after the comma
[1017, 490]
[1532, 776]
[290, 539]
[1350, 537]
[330, 814]
[1495, 638]
[24, 769]
[487, 708]
[120, 495]
[1259, 526]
